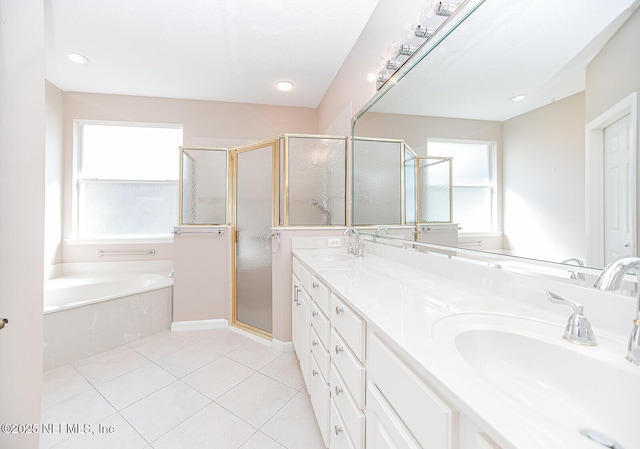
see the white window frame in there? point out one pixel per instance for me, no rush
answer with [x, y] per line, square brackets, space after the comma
[496, 218]
[75, 197]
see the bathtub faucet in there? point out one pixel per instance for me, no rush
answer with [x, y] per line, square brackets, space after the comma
[610, 279]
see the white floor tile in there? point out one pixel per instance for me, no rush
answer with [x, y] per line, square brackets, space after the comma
[256, 399]
[103, 367]
[218, 377]
[254, 355]
[113, 432]
[295, 425]
[162, 345]
[160, 412]
[285, 369]
[225, 341]
[212, 427]
[260, 441]
[203, 334]
[62, 383]
[187, 360]
[84, 409]
[133, 386]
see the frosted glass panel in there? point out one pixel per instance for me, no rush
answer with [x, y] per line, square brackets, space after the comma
[317, 174]
[377, 182]
[473, 205]
[108, 208]
[253, 223]
[204, 186]
[434, 190]
[410, 191]
[472, 160]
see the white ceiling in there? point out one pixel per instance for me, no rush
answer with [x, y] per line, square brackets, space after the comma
[537, 48]
[221, 50]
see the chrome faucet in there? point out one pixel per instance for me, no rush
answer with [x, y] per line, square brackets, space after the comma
[578, 262]
[578, 329]
[357, 250]
[610, 279]
[382, 228]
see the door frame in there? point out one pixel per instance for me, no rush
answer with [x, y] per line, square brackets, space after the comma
[594, 163]
[275, 214]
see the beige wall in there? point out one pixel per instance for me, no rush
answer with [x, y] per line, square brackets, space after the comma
[352, 88]
[22, 161]
[544, 179]
[53, 174]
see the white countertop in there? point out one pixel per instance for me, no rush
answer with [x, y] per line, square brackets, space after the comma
[410, 309]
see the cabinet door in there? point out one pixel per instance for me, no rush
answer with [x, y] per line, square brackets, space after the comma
[304, 329]
[384, 428]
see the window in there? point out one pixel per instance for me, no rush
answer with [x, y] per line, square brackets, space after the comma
[126, 179]
[474, 182]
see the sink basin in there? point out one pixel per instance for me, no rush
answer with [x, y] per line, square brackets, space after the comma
[528, 360]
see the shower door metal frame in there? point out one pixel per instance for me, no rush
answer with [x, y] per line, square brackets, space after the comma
[285, 176]
[351, 178]
[227, 219]
[274, 143]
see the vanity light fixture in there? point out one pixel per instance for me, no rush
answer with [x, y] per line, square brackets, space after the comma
[284, 86]
[518, 98]
[434, 15]
[77, 58]
[446, 9]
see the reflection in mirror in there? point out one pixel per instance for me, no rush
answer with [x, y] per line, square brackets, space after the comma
[378, 189]
[546, 191]
[316, 180]
[203, 186]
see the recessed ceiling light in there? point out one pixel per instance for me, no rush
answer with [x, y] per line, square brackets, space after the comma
[77, 58]
[284, 86]
[518, 98]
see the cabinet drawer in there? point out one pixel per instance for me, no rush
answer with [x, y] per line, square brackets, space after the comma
[320, 399]
[384, 429]
[320, 294]
[321, 354]
[305, 278]
[321, 324]
[429, 419]
[337, 431]
[351, 414]
[350, 326]
[349, 368]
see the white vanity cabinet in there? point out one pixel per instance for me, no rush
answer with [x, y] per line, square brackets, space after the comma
[365, 395]
[300, 307]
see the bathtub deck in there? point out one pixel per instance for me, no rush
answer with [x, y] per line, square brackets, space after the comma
[191, 389]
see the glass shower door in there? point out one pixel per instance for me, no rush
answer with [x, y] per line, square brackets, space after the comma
[253, 220]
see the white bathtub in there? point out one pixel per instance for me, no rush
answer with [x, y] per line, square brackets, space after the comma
[90, 308]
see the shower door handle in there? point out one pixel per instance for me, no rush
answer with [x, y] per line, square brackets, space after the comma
[3, 323]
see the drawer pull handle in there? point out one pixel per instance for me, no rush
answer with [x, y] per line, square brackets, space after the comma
[314, 285]
[339, 310]
[338, 429]
[314, 314]
[314, 373]
[339, 349]
[314, 343]
[338, 390]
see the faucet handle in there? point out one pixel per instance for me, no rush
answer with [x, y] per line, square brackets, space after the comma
[578, 329]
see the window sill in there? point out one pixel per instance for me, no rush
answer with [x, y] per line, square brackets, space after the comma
[120, 240]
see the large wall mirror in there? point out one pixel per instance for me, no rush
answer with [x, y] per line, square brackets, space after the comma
[553, 175]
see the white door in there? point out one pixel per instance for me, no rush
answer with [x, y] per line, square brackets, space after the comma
[22, 142]
[619, 190]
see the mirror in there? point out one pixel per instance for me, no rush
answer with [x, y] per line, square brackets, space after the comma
[554, 190]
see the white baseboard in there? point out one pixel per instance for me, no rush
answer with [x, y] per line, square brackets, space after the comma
[177, 326]
[282, 346]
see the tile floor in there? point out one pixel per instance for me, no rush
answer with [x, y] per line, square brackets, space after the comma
[213, 389]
